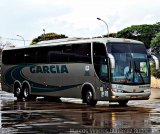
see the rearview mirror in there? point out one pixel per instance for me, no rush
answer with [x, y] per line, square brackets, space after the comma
[112, 59]
[156, 61]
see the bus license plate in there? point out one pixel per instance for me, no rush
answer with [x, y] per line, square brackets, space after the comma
[135, 96]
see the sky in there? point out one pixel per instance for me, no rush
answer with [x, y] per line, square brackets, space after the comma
[74, 18]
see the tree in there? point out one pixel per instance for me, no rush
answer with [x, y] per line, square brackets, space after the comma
[143, 33]
[155, 47]
[48, 36]
[155, 44]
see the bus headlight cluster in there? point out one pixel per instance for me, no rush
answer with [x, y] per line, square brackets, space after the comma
[147, 91]
[116, 90]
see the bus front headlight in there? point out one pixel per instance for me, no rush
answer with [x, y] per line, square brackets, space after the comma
[147, 91]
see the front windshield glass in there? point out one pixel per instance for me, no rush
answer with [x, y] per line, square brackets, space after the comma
[131, 64]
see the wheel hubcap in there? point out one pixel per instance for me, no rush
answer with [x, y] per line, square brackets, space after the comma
[18, 90]
[26, 92]
[89, 96]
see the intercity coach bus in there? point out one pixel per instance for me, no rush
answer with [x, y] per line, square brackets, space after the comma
[96, 69]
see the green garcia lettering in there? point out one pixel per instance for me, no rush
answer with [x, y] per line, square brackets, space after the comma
[49, 69]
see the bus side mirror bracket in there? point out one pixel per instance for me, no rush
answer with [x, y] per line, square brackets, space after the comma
[156, 61]
[112, 59]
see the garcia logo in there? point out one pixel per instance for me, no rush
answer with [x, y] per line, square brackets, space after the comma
[49, 69]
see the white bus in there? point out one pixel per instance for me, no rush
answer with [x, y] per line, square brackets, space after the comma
[97, 69]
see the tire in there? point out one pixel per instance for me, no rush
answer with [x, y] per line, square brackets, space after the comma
[89, 98]
[18, 92]
[123, 103]
[26, 93]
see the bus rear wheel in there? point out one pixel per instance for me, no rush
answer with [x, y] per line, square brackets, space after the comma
[26, 94]
[89, 98]
[18, 92]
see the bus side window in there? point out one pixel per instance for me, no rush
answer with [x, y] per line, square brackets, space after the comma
[29, 56]
[82, 52]
[56, 55]
[69, 53]
[41, 55]
[8, 57]
[100, 61]
[79, 53]
[18, 57]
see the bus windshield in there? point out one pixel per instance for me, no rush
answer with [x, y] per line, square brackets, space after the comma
[131, 63]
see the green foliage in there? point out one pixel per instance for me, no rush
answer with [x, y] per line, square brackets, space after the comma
[111, 35]
[154, 72]
[155, 47]
[155, 44]
[48, 36]
[143, 33]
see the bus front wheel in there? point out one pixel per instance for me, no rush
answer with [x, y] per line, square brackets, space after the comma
[89, 98]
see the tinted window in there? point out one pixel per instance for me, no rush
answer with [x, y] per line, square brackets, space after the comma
[125, 48]
[78, 53]
[118, 48]
[100, 61]
[82, 52]
[138, 48]
[54, 54]
[12, 56]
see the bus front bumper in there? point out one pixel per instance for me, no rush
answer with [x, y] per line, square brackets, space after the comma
[130, 96]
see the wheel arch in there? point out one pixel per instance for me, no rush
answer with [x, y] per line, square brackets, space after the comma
[17, 84]
[85, 87]
[26, 83]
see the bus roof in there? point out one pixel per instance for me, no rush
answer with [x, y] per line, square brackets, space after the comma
[74, 40]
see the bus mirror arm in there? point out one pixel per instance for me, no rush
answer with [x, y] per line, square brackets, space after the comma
[112, 59]
[156, 61]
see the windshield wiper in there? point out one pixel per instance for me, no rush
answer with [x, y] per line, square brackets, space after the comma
[137, 70]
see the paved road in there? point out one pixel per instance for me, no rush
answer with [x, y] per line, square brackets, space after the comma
[72, 116]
